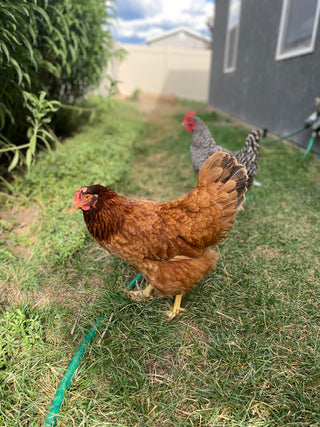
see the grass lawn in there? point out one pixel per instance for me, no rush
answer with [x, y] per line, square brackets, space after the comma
[246, 353]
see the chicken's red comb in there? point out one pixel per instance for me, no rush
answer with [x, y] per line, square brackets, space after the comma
[79, 192]
[191, 114]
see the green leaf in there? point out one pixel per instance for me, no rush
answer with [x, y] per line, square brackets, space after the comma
[92, 117]
[28, 158]
[17, 68]
[14, 161]
[42, 95]
[29, 132]
[4, 48]
[46, 141]
[33, 143]
[52, 68]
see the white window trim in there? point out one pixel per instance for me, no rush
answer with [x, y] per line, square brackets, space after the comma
[227, 45]
[299, 51]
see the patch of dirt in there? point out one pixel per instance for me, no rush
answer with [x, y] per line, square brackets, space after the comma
[23, 217]
[161, 371]
[52, 294]
[15, 225]
[166, 105]
[17, 221]
[149, 103]
[266, 253]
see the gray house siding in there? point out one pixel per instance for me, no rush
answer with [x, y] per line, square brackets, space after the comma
[277, 95]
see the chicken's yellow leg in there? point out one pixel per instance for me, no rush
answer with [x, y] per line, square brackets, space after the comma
[147, 291]
[176, 309]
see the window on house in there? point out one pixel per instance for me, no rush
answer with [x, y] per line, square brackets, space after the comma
[298, 28]
[232, 36]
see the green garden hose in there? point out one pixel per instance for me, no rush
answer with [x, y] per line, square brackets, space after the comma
[310, 145]
[308, 148]
[64, 385]
[286, 136]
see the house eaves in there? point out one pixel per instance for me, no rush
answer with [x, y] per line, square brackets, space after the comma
[178, 30]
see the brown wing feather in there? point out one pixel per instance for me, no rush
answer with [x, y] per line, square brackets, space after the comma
[203, 216]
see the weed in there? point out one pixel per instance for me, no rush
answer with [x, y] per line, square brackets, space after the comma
[135, 95]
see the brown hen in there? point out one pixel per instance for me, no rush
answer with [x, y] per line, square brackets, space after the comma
[170, 244]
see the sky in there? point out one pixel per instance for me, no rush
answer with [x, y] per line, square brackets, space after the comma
[140, 19]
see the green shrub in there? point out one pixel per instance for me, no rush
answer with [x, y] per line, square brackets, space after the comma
[59, 48]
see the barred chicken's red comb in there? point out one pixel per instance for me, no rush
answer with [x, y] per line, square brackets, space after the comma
[191, 114]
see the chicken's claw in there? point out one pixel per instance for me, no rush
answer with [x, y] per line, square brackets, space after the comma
[140, 294]
[172, 314]
[176, 309]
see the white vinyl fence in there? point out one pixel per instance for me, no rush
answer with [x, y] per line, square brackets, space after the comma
[162, 71]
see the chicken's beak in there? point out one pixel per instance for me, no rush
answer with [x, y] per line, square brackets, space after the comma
[75, 205]
[84, 203]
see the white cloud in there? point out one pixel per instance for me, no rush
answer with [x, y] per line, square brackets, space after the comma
[144, 18]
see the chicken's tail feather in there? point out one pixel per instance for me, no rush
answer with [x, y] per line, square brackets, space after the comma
[222, 168]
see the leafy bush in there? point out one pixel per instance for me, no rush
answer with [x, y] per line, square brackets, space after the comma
[59, 48]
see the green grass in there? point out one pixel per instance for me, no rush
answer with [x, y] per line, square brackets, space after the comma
[247, 351]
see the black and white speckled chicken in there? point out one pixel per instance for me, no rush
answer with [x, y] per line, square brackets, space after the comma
[203, 146]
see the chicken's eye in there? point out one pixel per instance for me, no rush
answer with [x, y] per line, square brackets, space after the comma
[87, 196]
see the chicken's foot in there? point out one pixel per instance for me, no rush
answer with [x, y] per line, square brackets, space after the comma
[176, 309]
[141, 294]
